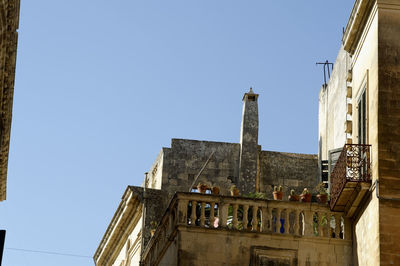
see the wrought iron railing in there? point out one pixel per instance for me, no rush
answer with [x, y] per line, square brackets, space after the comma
[353, 165]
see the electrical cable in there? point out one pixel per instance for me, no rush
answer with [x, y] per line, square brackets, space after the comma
[48, 252]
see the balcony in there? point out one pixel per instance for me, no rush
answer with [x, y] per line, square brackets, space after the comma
[350, 178]
[195, 223]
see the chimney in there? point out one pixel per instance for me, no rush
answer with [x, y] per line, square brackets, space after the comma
[249, 144]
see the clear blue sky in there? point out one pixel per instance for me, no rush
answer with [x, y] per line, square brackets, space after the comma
[101, 86]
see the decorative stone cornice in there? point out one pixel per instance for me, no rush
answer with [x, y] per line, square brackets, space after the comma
[128, 211]
[356, 24]
[9, 19]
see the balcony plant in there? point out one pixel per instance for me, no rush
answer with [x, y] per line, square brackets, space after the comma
[322, 195]
[202, 187]
[215, 190]
[153, 227]
[278, 193]
[305, 196]
[293, 196]
[234, 191]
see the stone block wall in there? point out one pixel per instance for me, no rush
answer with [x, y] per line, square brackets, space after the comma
[291, 170]
[389, 130]
[184, 160]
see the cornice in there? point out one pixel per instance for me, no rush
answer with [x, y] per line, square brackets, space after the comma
[358, 20]
[116, 230]
[356, 24]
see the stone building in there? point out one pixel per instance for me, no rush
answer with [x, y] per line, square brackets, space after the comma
[9, 20]
[358, 159]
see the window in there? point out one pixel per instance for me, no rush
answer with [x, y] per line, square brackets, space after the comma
[362, 119]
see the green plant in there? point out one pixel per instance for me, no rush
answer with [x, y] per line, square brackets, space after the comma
[305, 192]
[153, 224]
[257, 195]
[321, 189]
[233, 187]
[292, 192]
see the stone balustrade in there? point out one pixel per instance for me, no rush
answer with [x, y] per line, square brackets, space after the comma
[216, 212]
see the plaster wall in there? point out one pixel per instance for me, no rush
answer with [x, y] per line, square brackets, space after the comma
[332, 114]
[365, 76]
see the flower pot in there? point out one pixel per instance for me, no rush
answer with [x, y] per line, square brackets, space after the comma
[305, 197]
[293, 198]
[202, 188]
[235, 192]
[278, 195]
[322, 198]
[215, 190]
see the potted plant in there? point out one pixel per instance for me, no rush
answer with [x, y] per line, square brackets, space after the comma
[322, 195]
[202, 187]
[153, 227]
[215, 190]
[278, 194]
[234, 191]
[293, 196]
[305, 196]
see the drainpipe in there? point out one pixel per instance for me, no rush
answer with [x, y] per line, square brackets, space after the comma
[376, 185]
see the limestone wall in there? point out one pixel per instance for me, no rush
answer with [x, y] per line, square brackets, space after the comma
[241, 248]
[389, 130]
[184, 160]
[292, 171]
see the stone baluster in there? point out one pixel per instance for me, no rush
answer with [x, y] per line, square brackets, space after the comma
[337, 225]
[320, 224]
[286, 224]
[212, 218]
[278, 220]
[223, 214]
[203, 214]
[308, 223]
[254, 221]
[182, 211]
[296, 224]
[245, 216]
[347, 229]
[193, 215]
[234, 218]
[265, 216]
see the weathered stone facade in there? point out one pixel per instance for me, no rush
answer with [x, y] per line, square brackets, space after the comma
[9, 20]
[359, 137]
[367, 70]
[187, 162]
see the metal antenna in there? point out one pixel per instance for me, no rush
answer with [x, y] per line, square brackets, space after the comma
[326, 65]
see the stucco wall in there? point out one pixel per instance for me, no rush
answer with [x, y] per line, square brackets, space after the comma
[365, 74]
[333, 108]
